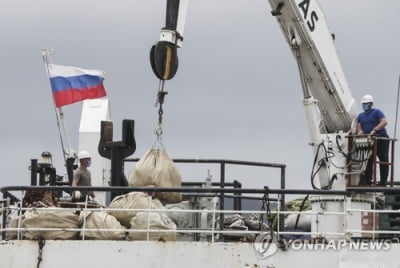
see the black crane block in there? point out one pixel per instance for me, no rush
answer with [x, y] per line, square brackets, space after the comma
[116, 151]
[164, 60]
[164, 54]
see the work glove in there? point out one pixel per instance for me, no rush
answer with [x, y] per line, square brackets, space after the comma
[77, 195]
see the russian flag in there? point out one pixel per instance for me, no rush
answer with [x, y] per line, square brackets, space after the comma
[71, 84]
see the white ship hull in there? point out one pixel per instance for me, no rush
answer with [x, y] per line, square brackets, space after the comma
[146, 254]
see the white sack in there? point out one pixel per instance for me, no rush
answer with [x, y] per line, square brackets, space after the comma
[133, 200]
[51, 218]
[157, 168]
[102, 220]
[152, 221]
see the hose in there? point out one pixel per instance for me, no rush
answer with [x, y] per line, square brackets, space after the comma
[300, 209]
[322, 163]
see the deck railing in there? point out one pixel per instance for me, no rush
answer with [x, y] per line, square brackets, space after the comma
[216, 232]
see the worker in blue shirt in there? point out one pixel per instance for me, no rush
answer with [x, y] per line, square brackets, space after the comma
[372, 121]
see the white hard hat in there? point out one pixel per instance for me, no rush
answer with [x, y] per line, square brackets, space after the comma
[83, 155]
[367, 99]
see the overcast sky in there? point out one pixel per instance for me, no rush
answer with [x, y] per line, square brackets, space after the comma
[236, 95]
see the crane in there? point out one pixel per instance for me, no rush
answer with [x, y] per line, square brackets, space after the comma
[328, 103]
[329, 106]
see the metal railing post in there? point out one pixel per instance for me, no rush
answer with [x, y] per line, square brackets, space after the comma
[346, 218]
[3, 218]
[392, 161]
[237, 200]
[374, 162]
[282, 199]
[222, 198]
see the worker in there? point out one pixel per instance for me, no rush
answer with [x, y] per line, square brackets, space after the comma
[372, 121]
[82, 176]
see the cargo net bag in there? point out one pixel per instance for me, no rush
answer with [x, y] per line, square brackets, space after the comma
[157, 168]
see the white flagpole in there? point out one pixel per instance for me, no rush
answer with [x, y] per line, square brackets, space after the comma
[67, 151]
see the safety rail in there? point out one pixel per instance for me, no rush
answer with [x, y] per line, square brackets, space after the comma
[391, 159]
[211, 231]
[369, 149]
[223, 164]
[203, 192]
[215, 230]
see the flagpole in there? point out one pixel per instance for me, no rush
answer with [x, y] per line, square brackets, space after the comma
[67, 151]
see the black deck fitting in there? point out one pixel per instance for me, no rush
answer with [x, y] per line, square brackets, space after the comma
[117, 151]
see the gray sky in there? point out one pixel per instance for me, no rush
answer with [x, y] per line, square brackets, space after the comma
[236, 95]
